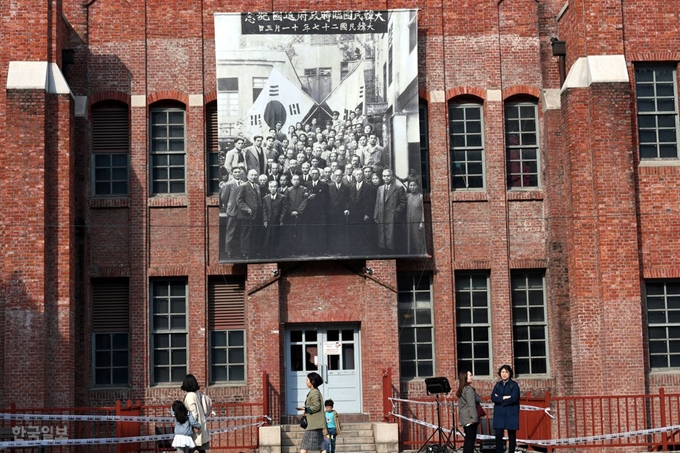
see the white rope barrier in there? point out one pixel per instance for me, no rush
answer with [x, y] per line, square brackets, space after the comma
[524, 407]
[542, 442]
[116, 418]
[107, 440]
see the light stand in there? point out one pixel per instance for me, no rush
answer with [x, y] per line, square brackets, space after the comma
[436, 386]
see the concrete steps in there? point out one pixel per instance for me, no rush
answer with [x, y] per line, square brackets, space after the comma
[355, 438]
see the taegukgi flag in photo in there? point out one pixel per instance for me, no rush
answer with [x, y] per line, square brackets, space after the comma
[350, 94]
[280, 100]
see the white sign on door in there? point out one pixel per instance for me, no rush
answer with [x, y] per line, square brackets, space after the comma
[331, 347]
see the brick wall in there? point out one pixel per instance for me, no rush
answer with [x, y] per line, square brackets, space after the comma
[599, 224]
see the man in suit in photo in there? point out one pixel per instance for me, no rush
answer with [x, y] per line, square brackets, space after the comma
[317, 150]
[293, 223]
[327, 172]
[361, 210]
[274, 172]
[249, 203]
[284, 183]
[390, 211]
[293, 169]
[255, 157]
[224, 178]
[348, 178]
[362, 149]
[275, 207]
[338, 214]
[315, 214]
[305, 177]
[228, 194]
[263, 182]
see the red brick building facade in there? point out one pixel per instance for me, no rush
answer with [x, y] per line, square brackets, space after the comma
[570, 271]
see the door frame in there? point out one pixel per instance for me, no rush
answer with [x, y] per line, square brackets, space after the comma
[294, 389]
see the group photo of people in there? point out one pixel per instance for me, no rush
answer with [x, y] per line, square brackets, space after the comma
[319, 140]
[318, 191]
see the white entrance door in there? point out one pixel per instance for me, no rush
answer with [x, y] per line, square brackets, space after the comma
[333, 352]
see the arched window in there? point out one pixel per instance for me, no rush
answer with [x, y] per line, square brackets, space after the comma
[466, 141]
[168, 148]
[521, 144]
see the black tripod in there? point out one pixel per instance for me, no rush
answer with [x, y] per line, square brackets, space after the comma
[437, 386]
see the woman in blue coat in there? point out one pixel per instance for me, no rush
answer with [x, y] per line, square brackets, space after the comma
[505, 395]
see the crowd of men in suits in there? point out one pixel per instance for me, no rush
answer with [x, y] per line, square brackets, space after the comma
[311, 192]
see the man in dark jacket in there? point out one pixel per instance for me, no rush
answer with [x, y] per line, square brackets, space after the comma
[361, 210]
[248, 201]
[315, 215]
[338, 214]
[390, 211]
[228, 194]
[293, 224]
[274, 209]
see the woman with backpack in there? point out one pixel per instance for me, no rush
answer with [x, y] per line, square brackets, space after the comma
[193, 402]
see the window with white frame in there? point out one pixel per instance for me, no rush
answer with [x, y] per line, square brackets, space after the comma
[227, 329]
[657, 111]
[521, 144]
[110, 148]
[168, 151]
[110, 332]
[473, 322]
[530, 326]
[169, 330]
[227, 96]
[467, 145]
[663, 323]
[416, 328]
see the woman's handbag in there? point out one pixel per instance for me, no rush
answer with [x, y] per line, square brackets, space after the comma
[480, 411]
[303, 422]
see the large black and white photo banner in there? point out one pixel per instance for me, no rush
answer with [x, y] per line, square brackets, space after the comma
[319, 135]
